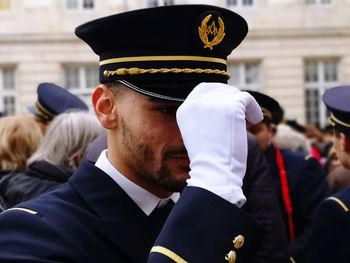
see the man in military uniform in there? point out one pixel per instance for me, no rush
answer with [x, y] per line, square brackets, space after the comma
[114, 210]
[261, 201]
[298, 180]
[330, 236]
[53, 100]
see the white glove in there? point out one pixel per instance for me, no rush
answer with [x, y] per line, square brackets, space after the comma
[212, 122]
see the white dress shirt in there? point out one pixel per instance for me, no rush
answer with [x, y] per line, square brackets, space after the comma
[144, 199]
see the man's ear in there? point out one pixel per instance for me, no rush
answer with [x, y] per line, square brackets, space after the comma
[104, 106]
[344, 142]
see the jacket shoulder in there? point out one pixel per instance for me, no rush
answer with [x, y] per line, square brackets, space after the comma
[341, 199]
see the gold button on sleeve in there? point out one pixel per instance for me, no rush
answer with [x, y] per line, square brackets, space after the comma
[231, 257]
[238, 241]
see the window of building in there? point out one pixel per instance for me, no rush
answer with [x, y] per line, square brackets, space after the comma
[245, 76]
[7, 91]
[318, 2]
[239, 2]
[5, 4]
[318, 76]
[80, 4]
[81, 80]
[154, 3]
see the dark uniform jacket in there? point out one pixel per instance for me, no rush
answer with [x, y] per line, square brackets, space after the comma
[91, 219]
[3, 173]
[307, 187]
[40, 177]
[263, 206]
[330, 235]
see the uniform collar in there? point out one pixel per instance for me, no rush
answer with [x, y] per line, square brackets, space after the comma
[144, 199]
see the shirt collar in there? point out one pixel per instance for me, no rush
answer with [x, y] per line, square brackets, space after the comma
[144, 199]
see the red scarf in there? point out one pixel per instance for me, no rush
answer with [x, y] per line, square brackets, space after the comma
[285, 192]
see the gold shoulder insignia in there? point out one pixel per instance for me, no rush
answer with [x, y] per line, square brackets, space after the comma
[205, 31]
[22, 209]
[339, 202]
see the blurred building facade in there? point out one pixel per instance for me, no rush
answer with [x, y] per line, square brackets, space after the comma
[295, 49]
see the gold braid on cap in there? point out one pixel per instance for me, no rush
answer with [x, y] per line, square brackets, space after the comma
[266, 113]
[42, 112]
[333, 121]
[138, 71]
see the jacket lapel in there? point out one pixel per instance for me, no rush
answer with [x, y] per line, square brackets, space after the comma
[121, 222]
[135, 239]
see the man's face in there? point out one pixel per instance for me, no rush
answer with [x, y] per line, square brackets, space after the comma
[263, 133]
[342, 148]
[147, 145]
[333, 160]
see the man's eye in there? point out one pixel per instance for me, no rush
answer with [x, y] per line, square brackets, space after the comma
[168, 111]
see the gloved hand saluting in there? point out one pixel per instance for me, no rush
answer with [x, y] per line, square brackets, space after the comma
[212, 122]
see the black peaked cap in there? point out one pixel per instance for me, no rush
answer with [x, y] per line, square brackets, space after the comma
[271, 109]
[165, 51]
[53, 100]
[337, 101]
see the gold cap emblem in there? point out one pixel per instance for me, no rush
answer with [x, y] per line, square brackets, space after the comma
[206, 31]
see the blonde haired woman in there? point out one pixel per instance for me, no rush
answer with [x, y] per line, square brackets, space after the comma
[20, 136]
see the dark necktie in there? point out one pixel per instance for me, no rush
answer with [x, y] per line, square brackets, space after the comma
[160, 214]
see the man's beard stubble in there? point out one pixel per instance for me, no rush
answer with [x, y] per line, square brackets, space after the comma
[140, 155]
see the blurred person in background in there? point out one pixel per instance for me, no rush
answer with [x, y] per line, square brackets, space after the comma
[329, 240]
[51, 101]
[20, 137]
[289, 138]
[338, 176]
[55, 160]
[321, 141]
[298, 180]
[94, 149]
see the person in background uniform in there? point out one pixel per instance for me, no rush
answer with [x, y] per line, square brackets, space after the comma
[298, 180]
[53, 100]
[55, 160]
[263, 206]
[165, 104]
[330, 236]
[337, 176]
